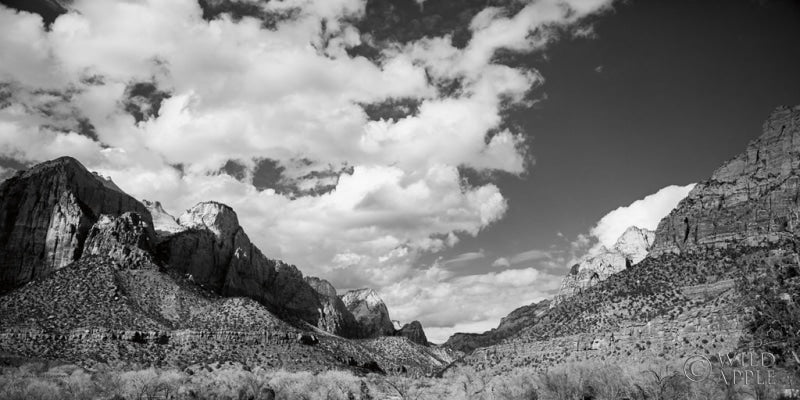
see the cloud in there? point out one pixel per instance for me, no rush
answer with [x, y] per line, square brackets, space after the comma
[501, 262]
[472, 303]
[644, 213]
[372, 195]
[463, 257]
[530, 255]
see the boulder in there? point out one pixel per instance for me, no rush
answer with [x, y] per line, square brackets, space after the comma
[46, 213]
[370, 313]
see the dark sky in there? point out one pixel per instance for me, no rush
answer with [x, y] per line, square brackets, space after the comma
[681, 87]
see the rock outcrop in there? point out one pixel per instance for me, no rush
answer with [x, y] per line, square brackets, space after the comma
[46, 213]
[163, 223]
[217, 253]
[629, 249]
[370, 312]
[126, 239]
[509, 325]
[334, 315]
[752, 199]
[414, 332]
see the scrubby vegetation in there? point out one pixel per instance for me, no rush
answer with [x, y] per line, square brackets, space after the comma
[585, 381]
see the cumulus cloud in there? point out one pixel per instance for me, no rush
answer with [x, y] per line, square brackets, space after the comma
[290, 92]
[644, 213]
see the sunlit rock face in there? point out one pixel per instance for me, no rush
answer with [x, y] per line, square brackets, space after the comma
[370, 313]
[163, 223]
[215, 252]
[629, 249]
[126, 239]
[752, 199]
[46, 213]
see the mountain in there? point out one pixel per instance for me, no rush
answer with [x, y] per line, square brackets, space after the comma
[216, 252]
[722, 270]
[91, 278]
[370, 312]
[509, 325]
[630, 248]
[46, 213]
[752, 199]
[414, 332]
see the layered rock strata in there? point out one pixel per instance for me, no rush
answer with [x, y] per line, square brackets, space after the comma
[752, 199]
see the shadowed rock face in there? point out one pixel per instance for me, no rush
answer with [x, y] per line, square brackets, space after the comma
[413, 331]
[334, 316]
[46, 213]
[370, 313]
[629, 249]
[752, 199]
[217, 253]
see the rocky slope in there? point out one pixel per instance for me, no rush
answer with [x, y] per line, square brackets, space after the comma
[509, 325]
[370, 313]
[631, 247]
[752, 199]
[693, 293]
[46, 214]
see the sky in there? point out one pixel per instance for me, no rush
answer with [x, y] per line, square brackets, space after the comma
[456, 156]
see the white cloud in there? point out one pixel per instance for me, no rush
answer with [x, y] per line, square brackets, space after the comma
[239, 91]
[501, 262]
[473, 303]
[645, 213]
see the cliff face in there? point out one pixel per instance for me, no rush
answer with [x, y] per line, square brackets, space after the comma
[46, 213]
[414, 332]
[216, 252]
[752, 199]
[334, 316]
[370, 313]
[126, 239]
[629, 249]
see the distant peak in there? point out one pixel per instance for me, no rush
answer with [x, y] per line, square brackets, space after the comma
[217, 217]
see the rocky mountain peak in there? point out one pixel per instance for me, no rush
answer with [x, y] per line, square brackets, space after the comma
[46, 213]
[216, 217]
[414, 332]
[163, 223]
[635, 243]
[370, 312]
[752, 199]
[629, 249]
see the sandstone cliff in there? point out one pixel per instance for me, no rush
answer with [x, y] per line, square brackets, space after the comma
[414, 332]
[334, 315]
[370, 313]
[752, 199]
[46, 213]
[126, 239]
[216, 252]
[629, 249]
[163, 223]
